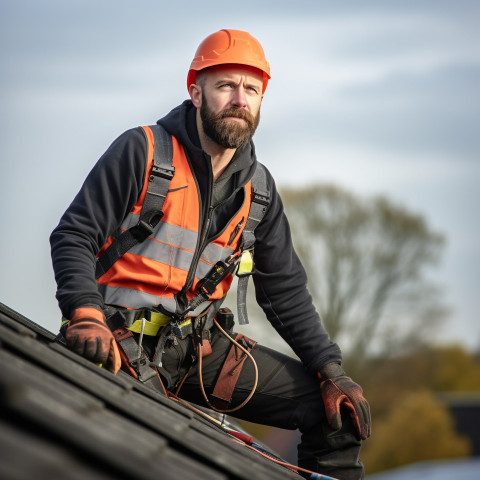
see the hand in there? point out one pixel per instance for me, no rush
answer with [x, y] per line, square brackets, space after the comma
[88, 335]
[339, 390]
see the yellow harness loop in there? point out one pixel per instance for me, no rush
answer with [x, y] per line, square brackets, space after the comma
[152, 326]
[246, 263]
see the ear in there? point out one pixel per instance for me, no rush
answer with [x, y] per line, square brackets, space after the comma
[195, 92]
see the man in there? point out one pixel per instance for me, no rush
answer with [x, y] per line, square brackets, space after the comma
[167, 274]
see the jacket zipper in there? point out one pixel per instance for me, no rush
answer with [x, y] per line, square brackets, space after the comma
[201, 244]
[181, 296]
[235, 232]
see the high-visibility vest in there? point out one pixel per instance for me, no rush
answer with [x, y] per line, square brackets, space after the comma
[153, 271]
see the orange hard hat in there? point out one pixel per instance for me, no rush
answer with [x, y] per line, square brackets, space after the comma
[229, 47]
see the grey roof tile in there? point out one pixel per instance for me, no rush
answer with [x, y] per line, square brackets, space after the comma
[63, 417]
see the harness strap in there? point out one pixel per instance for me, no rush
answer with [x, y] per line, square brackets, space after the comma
[133, 320]
[232, 367]
[260, 203]
[153, 322]
[159, 180]
[134, 360]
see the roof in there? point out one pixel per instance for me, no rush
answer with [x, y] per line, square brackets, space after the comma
[63, 417]
[460, 469]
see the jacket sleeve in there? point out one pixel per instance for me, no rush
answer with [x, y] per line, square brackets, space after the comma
[281, 290]
[108, 194]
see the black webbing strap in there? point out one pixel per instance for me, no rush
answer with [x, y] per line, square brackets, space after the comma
[260, 202]
[159, 180]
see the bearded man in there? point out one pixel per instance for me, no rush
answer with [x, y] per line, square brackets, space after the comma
[143, 292]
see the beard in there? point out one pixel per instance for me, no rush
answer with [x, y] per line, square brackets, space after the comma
[225, 132]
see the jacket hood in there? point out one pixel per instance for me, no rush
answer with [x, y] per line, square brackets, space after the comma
[181, 123]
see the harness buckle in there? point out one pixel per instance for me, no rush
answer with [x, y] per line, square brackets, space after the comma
[162, 171]
[183, 328]
[263, 198]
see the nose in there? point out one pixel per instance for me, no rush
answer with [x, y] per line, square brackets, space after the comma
[239, 98]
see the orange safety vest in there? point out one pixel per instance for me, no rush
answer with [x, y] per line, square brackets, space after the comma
[153, 271]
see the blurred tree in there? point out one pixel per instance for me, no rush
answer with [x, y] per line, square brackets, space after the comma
[417, 428]
[440, 369]
[367, 262]
[453, 369]
[408, 397]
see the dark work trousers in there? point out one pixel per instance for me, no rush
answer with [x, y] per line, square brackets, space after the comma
[287, 396]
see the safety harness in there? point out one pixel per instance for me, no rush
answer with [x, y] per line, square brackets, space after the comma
[152, 322]
[159, 180]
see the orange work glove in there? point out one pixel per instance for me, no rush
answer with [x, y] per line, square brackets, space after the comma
[338, 391]
[88, 335]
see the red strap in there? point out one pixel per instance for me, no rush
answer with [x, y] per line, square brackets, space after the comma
[206, 347]
[227, 380]
[122, 334]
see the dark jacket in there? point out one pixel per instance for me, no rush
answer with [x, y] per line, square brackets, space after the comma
[112, 189]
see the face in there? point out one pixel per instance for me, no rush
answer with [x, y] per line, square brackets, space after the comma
[229, 100]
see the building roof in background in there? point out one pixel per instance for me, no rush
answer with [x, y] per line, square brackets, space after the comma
[63, 417]
[464, 469]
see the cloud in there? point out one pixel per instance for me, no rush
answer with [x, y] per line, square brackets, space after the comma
[375, 96]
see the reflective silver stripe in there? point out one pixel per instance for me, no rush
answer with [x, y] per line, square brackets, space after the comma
[170, 245]
[214, 253]
[202, 269]
[163, 253]
[129, 298]
[167, 233]
[174, 246]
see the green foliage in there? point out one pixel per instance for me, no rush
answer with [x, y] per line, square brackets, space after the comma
[417, 428]
[407, 394]
[410, 422]
[441, 369]
[454, 369]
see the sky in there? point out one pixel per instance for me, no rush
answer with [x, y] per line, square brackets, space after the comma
[376, 97]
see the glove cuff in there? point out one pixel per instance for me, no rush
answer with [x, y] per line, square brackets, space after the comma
[88, 312]
[331, 370]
